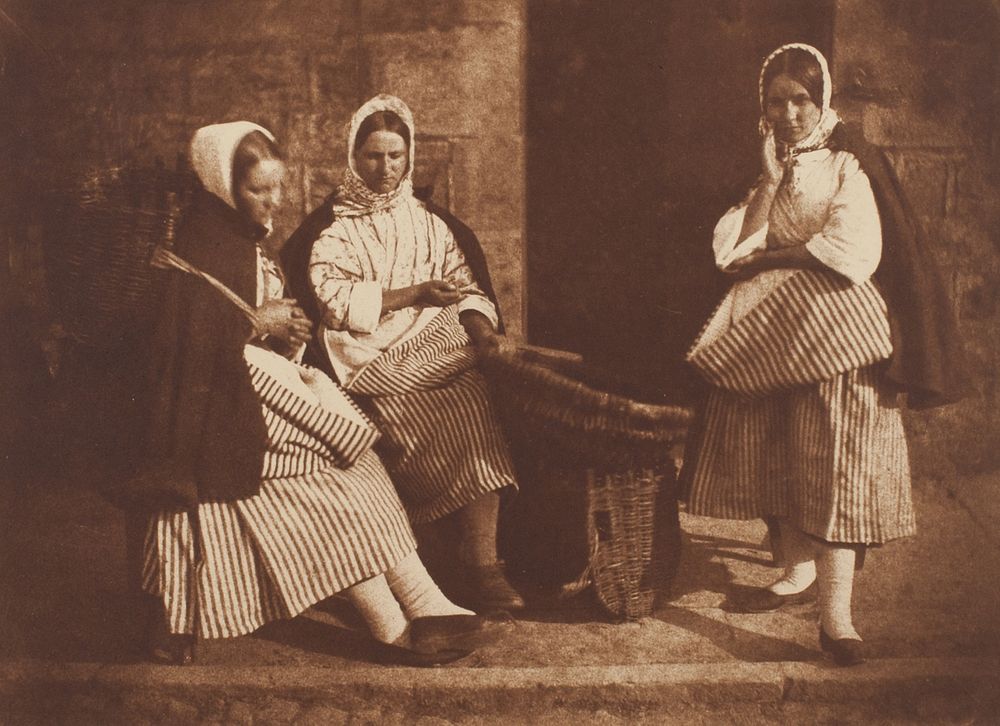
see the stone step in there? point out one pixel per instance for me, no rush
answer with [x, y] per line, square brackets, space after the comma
[907, 690]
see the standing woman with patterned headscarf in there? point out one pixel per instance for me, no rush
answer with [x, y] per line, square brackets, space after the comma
[834, 312]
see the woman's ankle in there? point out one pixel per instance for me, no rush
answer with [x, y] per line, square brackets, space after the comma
[797, 578]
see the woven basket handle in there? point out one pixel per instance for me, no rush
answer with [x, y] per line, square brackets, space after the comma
[165, 259]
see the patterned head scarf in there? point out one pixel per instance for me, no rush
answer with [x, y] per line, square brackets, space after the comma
[354, 197]
[828, 119]
[212, 151]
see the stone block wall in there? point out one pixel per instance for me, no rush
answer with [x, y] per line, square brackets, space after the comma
[119, 80]
[99, 83]
[922, 77]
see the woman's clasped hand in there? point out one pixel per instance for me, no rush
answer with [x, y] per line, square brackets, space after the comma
[283, 318]
[746, 267]
[438, 293]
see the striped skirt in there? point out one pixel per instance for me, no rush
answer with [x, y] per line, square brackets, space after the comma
[799, 423]
[327, 517]
[830, 457]
[441, 440]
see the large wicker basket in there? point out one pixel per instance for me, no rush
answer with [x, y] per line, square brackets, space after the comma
[99, 263]
[620, 451]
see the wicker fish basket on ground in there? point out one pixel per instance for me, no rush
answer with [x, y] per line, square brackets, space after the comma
[621, 452]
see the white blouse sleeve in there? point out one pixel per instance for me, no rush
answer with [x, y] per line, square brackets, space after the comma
[458, 272]
[727, 232]
[347, 301]
[851, 239]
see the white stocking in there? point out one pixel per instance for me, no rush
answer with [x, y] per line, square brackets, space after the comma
[835, 568]
[376, 604]
[799, 552]
[417, 592]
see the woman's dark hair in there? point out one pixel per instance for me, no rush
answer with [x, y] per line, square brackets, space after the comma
[381, 121]
[253, 149]
[802, 67]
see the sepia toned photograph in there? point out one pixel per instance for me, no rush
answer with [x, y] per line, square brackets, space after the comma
[499, 362]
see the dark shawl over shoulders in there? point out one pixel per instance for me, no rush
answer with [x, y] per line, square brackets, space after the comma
[297, 250]
[928, 360]
[206, 427]
[473, 252]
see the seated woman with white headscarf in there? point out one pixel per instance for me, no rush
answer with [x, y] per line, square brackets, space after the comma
[265, 496]
[403, 295]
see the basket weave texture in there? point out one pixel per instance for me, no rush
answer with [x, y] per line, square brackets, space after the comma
[100, 263]
[550, 399]
[621, 530]
[619, 450]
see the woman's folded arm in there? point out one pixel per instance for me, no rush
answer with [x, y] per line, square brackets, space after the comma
[850, 242]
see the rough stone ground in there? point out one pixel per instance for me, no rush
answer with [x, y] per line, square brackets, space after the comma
[929, 609]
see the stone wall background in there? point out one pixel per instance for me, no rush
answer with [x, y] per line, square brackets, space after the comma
[922, 77]
[101, 83]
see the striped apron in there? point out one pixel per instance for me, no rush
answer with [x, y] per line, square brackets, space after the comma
[441, 440]
[799, 423]
[326, 517]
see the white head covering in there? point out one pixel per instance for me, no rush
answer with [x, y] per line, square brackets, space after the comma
[828, 117]
[212, 151]
[354, 197]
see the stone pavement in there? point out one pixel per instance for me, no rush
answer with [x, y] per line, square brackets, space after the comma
[929, 609]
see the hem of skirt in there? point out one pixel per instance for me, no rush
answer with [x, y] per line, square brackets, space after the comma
[430, 513]
[885, 536]
[258, 623]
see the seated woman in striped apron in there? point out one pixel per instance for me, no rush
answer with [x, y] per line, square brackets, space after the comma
[808, 353]
[404, 297]
[271, 498]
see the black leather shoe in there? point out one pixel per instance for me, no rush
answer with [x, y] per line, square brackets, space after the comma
[490, 591]
[845, 651]
[166, 648]
[765, 600]
[450, 633]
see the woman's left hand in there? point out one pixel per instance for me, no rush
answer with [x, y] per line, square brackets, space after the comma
[797, 257]
[492, 343]
[480, 330]
[746, 267]
[285, 320]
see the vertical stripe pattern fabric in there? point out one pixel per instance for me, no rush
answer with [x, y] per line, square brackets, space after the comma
[313, 530]
[831, 457]
[814, 326]
[441, 439]
[304, 436]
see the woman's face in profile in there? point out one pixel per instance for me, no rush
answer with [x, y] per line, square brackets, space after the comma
[790, 111]
[258, 194]
[382, 161]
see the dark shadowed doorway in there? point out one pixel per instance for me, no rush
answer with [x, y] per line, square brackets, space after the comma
[641, 129]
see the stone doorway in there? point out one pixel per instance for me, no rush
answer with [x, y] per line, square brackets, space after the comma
[641, 129]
